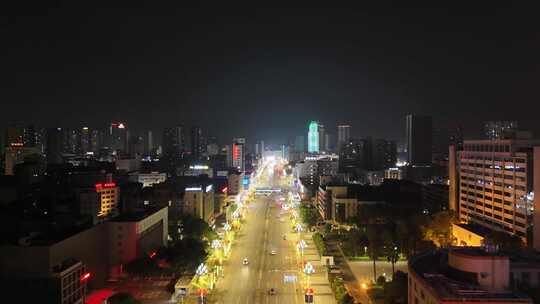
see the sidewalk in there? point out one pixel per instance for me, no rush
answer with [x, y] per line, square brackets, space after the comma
[351, 283]
[319, 280]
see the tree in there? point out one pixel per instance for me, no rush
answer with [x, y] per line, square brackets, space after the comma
[194, 227]
[396, 290]
[503, 240]
[309, 215]
[339, 289]
[439, 229]
[347, 299]
[319, 242]
[374, 247]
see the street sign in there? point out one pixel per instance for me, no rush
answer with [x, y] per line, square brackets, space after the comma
[290, 278]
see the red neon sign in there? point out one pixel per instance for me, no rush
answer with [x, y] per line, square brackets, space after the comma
[100, 186]
[235, 151]
[85, 277]
[152, 254]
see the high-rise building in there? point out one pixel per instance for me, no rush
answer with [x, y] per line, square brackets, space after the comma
[492, 184]
[239, 153]
[95, 140]
[197, 142]
[148, 143]
[322, 137]
[328, 146]
[419, 138]
[55, 145]
[384, 154]
[299, 144]
[313, 137]
[344, 134]
[500, 129]
[442, 139]
[136, 146]
[15, 136]
[350, 156]
[29, 136]
[85, 140]
[173, 145]
[118, 137]
[72, 141]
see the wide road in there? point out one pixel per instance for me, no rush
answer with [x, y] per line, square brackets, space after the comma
[262, 232]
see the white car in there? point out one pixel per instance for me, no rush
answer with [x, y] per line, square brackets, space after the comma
[245, 262]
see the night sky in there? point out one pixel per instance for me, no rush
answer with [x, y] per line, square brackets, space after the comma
[264, 73]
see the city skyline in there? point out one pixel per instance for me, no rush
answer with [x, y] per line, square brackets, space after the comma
[368, 67]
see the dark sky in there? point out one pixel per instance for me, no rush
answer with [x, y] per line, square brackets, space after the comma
[264, 72]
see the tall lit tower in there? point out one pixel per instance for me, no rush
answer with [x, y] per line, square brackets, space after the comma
[313, 137]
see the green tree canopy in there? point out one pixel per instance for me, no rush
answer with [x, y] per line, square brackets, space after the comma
[309, 215]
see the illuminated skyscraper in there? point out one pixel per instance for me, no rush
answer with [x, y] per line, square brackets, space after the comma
[313, 137]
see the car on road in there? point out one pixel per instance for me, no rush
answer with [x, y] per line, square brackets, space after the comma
[245, 261]
[271, 291]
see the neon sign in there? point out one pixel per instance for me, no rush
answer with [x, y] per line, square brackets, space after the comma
[100, 186]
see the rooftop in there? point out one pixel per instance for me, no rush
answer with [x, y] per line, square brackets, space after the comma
[452, 284]
[136, 216]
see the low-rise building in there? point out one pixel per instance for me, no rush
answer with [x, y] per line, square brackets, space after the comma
[199, 201]
[340, 202]
[148, 179]
[394, 173]
[102, 250]
[15, 155]
[235, 179]
[471, 275]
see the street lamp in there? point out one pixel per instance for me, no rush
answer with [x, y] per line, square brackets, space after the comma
[308, 270]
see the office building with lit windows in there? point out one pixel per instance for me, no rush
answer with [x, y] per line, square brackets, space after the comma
[492, 184]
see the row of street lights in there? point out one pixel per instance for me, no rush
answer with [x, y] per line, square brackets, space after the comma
[206, 279]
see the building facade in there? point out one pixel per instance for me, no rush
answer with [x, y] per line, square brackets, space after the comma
[344, 134]
[492, 183]
[466, 275]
